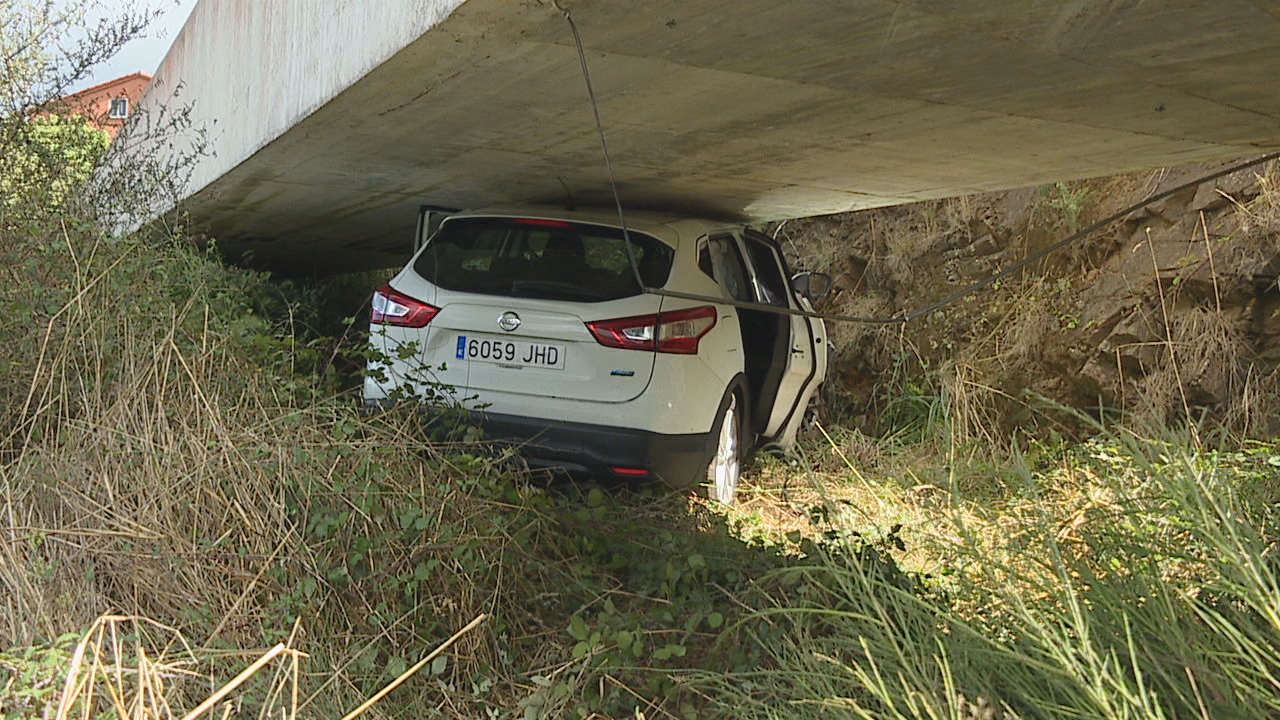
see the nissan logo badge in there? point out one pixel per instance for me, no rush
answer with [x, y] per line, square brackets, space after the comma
[508, 321]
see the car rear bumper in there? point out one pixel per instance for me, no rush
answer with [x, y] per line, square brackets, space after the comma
[601, 450]
[596, 450]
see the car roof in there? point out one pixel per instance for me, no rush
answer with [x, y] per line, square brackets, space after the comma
[664, 226]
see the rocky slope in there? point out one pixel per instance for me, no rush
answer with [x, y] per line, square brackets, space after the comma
[1173, 311]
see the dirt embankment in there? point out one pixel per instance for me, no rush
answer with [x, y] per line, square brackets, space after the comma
[1172, 311]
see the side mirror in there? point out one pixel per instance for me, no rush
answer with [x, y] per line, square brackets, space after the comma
[813, 286]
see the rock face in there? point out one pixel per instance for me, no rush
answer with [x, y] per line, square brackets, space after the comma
[1171, 312]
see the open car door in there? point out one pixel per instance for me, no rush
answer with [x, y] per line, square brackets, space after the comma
[804, 364]
[429, 219]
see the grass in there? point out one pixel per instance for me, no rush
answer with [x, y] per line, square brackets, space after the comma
[176, 474]
[1123, 577]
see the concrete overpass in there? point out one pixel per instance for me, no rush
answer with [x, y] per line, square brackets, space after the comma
[331, 121]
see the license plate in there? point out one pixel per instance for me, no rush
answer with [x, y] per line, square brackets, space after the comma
[511, 353]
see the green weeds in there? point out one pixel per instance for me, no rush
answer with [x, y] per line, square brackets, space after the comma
[1133, 584]
[1068, 202]
[30, 677]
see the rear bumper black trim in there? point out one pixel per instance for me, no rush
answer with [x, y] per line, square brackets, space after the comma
[586, 448]
[677, 460]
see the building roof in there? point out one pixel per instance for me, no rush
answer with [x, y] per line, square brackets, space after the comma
[104, 85]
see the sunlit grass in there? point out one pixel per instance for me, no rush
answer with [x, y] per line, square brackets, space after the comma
[1120, 577]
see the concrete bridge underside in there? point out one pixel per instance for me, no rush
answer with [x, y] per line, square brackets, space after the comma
[331, 122]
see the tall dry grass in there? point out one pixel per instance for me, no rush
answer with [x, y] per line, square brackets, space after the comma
[169, 458]
[162, 459]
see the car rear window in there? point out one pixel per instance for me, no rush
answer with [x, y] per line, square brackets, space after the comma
[542, 259]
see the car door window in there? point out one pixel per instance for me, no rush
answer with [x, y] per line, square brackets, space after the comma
[771, 283]
[730, 269]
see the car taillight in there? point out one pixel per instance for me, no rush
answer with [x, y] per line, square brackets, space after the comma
[392, 307]
[677, 331]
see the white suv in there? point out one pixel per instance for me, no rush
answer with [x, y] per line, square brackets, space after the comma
[534, 319]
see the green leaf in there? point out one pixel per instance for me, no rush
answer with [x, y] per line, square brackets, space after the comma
[395, 667]
[577, 628]
[715, 620]
[439, 664]
[595, 498]
[580, 650]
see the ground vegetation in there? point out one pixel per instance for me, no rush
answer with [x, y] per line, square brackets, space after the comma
[197, 520]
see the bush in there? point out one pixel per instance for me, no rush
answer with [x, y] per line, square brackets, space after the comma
[45, 161]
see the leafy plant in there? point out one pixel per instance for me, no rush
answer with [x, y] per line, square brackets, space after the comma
[44, 162]
[1069, 202]
[30, 677]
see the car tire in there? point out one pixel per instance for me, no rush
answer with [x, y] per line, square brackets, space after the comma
[725, 468]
